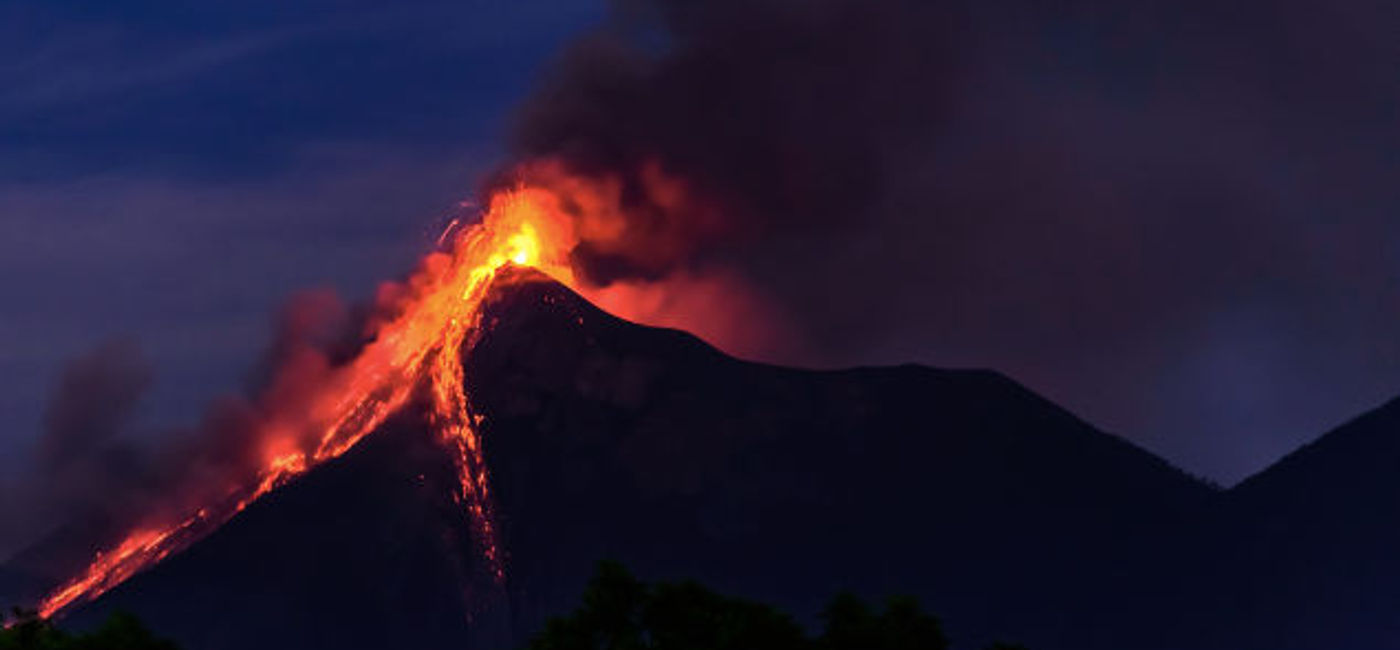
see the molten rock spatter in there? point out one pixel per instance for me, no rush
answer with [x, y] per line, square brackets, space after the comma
[434, 315]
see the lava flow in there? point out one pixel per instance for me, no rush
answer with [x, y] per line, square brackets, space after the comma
[439, 316]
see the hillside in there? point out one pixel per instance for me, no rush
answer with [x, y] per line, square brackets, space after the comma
[1004, 513]
[1310, 545]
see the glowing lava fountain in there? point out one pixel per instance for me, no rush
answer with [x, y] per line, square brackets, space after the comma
[437, 314]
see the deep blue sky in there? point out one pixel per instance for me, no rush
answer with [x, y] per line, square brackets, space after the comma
[1221, 185]
[172, 172]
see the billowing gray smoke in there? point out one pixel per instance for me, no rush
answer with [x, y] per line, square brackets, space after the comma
[1129, 206]
[92, 403]
[783, 115]
[95, 474]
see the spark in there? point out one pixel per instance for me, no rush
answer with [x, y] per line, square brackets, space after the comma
[440, 318]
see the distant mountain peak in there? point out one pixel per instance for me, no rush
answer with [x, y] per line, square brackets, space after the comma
[1006, 514]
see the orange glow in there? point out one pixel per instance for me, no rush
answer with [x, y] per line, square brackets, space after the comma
[438, 314]
[318, 411]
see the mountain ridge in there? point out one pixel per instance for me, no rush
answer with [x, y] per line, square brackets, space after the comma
[1010, 516]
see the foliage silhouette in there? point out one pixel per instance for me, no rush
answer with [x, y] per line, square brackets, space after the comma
[27, 631]
[619, 612]
[851, 625]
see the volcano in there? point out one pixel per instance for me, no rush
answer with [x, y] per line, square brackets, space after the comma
[1310, 545]
[1007, 515]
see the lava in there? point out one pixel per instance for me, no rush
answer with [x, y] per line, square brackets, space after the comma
[438, 316]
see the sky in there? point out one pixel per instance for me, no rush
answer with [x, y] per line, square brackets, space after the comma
[1181, 222]
[172, 173]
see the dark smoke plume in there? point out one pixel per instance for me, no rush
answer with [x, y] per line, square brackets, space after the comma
[92, 403]
[767, 116]
[85, 468]
[95, 475]
[1131, 206]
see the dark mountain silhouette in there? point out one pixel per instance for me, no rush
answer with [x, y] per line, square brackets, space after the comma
[367, 551]
[1312, 545]
[1006, 515]
[63, 552]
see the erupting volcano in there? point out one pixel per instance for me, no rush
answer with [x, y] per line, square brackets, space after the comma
[414, 345]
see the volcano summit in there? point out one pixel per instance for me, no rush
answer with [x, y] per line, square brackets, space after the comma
[607, 439]
[1004, 513]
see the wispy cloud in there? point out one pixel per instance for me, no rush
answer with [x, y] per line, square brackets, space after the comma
[92, 66]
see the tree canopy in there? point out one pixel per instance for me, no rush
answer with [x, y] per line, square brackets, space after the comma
[620, 612]
[26, 631]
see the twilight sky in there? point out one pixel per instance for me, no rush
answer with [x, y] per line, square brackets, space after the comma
[1180, 221]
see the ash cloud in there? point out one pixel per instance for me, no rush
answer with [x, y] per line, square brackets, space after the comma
[96, 473]
[84, 468]
[773, 115]
[1176, 218]
[92, 403]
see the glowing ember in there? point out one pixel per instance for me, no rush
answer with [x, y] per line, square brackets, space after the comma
[440, 316]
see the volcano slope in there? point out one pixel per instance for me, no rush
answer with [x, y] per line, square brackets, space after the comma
[1310, 546]
[368, 551]
[1005, 514]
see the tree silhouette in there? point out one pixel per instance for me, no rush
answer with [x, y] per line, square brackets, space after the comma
[687, 616]
[27, 631]
[851, 625]
[619, 612]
